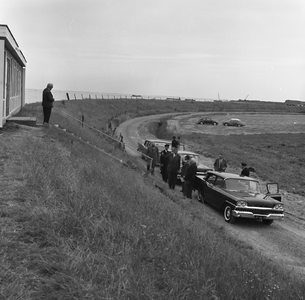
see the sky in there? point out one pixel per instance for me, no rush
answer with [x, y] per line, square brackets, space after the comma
[219, 49]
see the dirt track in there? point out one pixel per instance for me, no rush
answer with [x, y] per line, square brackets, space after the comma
[283, 242]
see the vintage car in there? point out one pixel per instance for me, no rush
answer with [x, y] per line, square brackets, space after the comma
[240, 197]
[201, 169]
[207, 120]
[234, 122]
[158, 143]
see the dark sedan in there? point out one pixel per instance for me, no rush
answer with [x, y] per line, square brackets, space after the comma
[240, 197]
[234, 122]
[207, 121]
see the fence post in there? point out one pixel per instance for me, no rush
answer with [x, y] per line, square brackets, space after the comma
[68, 96]
[74, 96]
[83, 119]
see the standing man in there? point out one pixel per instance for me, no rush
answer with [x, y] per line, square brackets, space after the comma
[220, 164]
[164, 156]
[185, 165]
[189, 178]
[175, 143]
[47, 103]
[153, 153]
[173, 167]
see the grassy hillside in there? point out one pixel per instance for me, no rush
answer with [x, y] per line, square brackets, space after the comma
[88, 227]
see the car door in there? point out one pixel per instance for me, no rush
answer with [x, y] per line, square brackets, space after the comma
[213, 192]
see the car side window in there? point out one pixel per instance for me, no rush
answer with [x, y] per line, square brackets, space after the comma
[211, 179]
[219, 182]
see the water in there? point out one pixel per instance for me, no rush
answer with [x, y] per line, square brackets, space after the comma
[35, 95]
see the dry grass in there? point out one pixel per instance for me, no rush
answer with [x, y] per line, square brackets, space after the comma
[90, 228]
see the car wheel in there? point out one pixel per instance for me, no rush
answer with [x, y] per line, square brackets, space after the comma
[268, 222]
[214, 124]
[225, 124]
[227, 213]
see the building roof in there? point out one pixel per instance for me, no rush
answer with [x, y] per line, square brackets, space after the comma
[11, 44]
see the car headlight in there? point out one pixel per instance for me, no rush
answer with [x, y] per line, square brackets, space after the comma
[278, 206]
[241, 203]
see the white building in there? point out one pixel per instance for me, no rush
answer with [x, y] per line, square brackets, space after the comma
[12, 75]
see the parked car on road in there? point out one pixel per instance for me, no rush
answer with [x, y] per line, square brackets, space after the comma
[240, 197]
[234, 122]
[201, 169]
[158, 143]
[207, 120]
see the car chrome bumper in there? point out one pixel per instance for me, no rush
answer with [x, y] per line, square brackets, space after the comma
[250, 215]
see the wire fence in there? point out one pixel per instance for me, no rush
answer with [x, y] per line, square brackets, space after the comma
[117, 142]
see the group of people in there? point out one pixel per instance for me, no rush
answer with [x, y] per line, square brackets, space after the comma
[220, 165]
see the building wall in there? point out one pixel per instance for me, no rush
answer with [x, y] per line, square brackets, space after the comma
[12, 75]
[2, 83]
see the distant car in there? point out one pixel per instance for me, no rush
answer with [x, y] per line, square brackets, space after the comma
[158, 143]
[234, 122]
[240, 197]
[207, 121]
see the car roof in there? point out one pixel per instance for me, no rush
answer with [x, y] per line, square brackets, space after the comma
[158, 141]
[234, 119]
[226, 175]
[185, 152]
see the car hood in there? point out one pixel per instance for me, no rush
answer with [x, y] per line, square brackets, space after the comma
[254, 199]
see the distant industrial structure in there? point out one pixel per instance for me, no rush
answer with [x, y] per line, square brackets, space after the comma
[12, 75]
[295, 103]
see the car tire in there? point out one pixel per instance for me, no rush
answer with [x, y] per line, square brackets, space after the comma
[225, 124]
[267, 222]
[214, 124]
[227, 214]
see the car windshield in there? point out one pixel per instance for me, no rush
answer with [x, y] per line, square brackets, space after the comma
[240, 185]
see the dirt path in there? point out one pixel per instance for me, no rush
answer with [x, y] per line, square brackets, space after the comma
[283, 242]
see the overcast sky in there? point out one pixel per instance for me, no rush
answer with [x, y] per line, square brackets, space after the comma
[187, 48]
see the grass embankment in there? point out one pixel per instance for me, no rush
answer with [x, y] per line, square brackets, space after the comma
[90, 228]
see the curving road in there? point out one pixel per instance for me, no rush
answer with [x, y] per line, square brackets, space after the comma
[283, 242]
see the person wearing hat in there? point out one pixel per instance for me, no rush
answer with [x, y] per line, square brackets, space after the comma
[189, 178]
[173, 167]
[185, 165]
[246, 170]
[164, 156]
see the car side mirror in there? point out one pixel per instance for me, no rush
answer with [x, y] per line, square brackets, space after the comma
[272, 188]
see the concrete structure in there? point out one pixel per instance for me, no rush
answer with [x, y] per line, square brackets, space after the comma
[12, 75]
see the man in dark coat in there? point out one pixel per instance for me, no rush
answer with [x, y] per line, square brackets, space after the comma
[47, 103]
[189, 178]
[220, 164]
[245, 170]
[173, 167]
[153, 153]
[164, 156]
[175, 143]
[185, 165]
